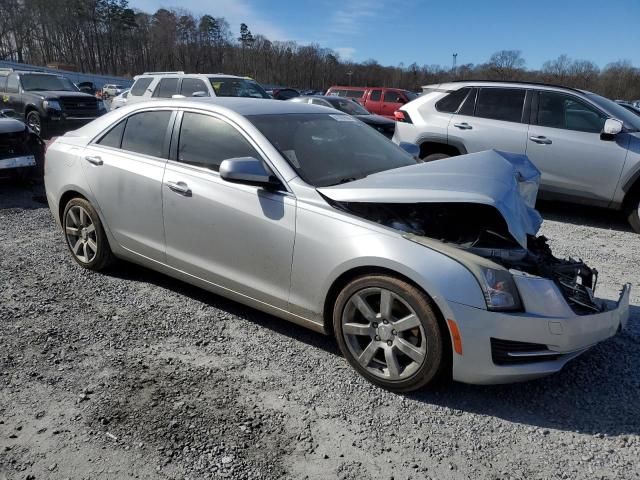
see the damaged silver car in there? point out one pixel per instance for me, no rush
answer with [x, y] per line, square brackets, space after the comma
[420, 270]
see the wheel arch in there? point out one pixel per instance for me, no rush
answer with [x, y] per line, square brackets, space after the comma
[65, 198]
[431, 146]
[345, 277]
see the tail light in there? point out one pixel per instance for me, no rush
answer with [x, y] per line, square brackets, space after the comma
[402, 116]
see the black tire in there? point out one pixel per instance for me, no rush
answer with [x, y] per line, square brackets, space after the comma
[435, 156]
[632, 210]
[34, 121]
[102, 256]
[434, 363]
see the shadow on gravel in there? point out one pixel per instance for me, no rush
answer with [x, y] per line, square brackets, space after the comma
[583, 215]
[21, 194]
[596, 393]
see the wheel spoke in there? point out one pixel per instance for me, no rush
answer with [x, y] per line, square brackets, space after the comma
[356, 329]
[74, 218]
[73, 231]
[364, 308]
[386, 302]
[392, 362]
[367, 354]
[407, 323]
[91, 228]
[83, 217]
[410, 350]
[85, 252]
[76, 247]
[92, 245]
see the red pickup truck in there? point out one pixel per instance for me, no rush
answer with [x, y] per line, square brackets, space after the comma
[379, 100]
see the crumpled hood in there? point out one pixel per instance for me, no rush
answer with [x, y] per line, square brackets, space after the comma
[506, 181]
[11, 125]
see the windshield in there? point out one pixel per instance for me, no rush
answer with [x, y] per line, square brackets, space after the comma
[328, 149]
[630, 120]
[348, 106]
[237, 87]
[31, 82]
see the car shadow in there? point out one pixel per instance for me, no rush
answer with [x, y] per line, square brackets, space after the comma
[583, 215]
[24, 194]
[596, 393]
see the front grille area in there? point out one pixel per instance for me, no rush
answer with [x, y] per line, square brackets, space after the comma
[79, 107]
[522, 352]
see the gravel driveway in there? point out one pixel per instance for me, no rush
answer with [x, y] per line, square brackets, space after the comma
[135, 375]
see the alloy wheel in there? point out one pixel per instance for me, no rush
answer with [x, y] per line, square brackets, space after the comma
[33, 121]
[81, 234]
[384, 334]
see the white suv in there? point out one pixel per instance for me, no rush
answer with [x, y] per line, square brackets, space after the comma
[586, 146]
[154, 85]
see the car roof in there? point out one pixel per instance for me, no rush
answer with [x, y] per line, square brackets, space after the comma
[242, 106]
[180, 75]
[501, 83]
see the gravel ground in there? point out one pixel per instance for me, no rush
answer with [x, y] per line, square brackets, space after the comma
[134, 375]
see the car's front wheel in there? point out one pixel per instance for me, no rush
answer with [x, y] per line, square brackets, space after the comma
[85, 235]
[389, 332]
[34, 121]
[633, 211]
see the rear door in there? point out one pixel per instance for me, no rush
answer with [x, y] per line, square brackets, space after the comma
[239, 237]
[166, 88]
[12, 97]
[124, 168]
[392, 101]
[494, 117]
[374, 101]
[564, 143]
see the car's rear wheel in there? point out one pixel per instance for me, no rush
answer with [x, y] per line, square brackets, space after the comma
[388, 331]
[435, 156]
[85, 235]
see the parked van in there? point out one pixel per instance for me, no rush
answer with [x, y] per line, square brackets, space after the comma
[379, 100]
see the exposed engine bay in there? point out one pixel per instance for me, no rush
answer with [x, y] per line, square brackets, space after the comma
[481, 229]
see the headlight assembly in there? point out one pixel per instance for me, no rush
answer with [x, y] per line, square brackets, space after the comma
[52, 104]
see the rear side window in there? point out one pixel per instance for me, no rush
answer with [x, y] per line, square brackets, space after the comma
[192, 85]
[206, 141]
[375, 95]
[113, 138]
[500, 104]
[145, 132]
[13, 86]
[354, 93]
[141, 86]
[393, 97]
[3, 84]
[167, 87]
[451, 103]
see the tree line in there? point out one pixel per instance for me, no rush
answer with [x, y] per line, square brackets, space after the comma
[109, 37]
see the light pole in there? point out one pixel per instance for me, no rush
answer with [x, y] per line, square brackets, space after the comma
[349, 74]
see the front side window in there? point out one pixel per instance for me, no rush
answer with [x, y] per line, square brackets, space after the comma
[393, 97]
[375, 95]
[237, 87]
[451, 103]
[35, 82]
[500, 104]
[192, 85]
[141, 86]
[167, 87]
[145, 133]
[206, 141]
[558, 110]
[330, 148]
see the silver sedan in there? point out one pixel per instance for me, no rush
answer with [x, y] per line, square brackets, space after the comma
[420, 270]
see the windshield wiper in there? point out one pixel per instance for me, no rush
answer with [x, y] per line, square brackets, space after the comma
[345, 180]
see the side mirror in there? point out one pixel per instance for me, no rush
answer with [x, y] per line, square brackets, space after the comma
[249, 171]
[402, 100]
[411, 148]
[612, 126]
[200, 94]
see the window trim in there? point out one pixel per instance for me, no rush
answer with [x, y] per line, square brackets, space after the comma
[175, 138]
[535, 112]
[524, 101]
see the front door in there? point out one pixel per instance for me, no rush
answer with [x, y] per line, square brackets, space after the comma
[239, 237]
[392, 101]
[125, 169]
[564, 143]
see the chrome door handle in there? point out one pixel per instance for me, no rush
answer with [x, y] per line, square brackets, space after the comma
[94, 160]
[180, 187]
[463, 126]
[541, 140]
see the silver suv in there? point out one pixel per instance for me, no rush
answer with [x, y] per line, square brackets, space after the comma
[157, 85]
[586, 146]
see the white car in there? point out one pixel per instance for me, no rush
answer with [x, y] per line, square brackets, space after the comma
[417, 269]
[159, 85]
[111, 90]
[119, 100]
